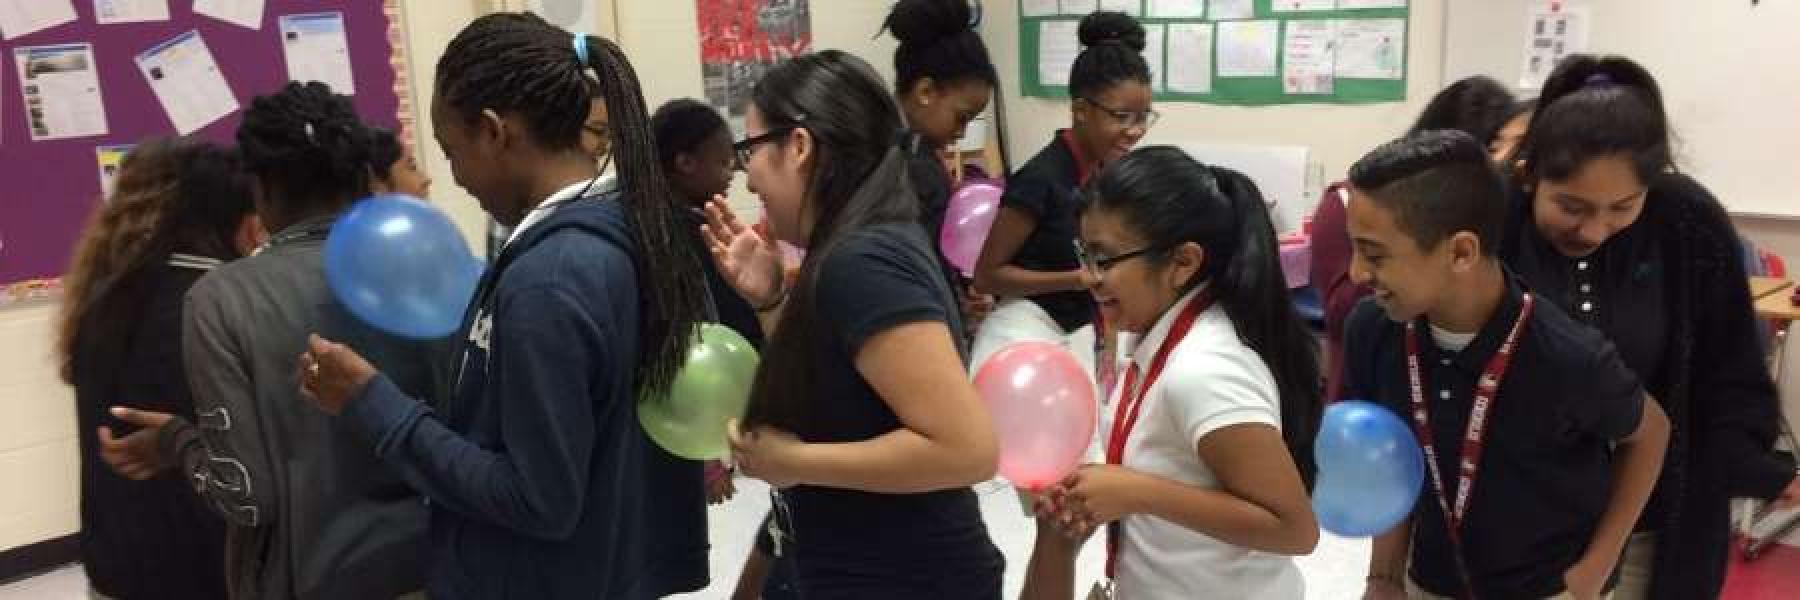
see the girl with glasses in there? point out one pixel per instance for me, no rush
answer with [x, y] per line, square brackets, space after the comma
[861, 416]
[1028, 261]
[1208, 444]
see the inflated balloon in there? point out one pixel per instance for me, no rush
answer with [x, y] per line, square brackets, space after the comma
[967, 219]
[1042, 404]
[711, 389]
[1370, 469]
[400, 265]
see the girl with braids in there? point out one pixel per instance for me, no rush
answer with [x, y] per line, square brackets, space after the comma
[1028, 261]
[309, 515]
[862, 416]
[540, 481]
[1606, 227]
[1203, 492]
[181, 208]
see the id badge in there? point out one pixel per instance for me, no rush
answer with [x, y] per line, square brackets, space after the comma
[1103, 590]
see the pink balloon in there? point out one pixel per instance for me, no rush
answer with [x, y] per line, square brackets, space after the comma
[1042, 404]
[970, 215]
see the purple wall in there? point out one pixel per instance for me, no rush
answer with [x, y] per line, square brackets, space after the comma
[47, 189]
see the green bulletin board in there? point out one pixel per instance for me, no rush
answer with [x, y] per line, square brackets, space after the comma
[1240, 91]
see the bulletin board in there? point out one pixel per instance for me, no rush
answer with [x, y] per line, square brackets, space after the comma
[49, 188]
[1185, 51]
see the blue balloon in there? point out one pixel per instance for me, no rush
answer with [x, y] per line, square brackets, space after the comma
[400, 265]
[1370, 470]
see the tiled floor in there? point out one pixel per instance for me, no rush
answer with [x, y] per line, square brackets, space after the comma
[1334, 572]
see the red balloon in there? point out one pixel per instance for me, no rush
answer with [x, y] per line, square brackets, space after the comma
[1042, 404]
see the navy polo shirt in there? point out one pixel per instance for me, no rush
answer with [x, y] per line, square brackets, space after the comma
[1546, 468]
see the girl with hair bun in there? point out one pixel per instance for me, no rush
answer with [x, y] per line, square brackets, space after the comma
[1029, 260]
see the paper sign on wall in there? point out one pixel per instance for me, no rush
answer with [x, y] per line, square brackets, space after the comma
[316, 49]
[61, 89]
[187, 82]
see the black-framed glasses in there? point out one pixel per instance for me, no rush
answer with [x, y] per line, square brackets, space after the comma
[1097, 265]
[742, 149]
[1126, 118]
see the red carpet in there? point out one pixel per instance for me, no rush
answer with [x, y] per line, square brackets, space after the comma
[1775, 575]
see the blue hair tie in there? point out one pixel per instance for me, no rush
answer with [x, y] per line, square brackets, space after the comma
[975, 17]
[581, 49]
[1598, 80]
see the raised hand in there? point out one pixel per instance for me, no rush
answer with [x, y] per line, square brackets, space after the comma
[747, 260]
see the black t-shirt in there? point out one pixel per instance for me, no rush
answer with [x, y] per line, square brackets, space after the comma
[1048, 188]
[880, 277]
[1546, 470]
[932, 185]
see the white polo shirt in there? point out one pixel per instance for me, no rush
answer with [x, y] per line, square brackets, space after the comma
[1212, 380]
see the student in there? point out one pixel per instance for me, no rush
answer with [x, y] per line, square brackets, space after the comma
[1506, 139]
[943, 79]
[1203, 491]
[180, 208]
[693, 145]
[393, 168]
[309, 517]
[540, 481]
[862, 415]
[1558, 444]
[1028, 260]
[1475, 105]
[1609, 230]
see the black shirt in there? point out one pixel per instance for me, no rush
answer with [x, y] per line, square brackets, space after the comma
[850, 543]
[1546, 468]
[1048, 188]
[932, 185]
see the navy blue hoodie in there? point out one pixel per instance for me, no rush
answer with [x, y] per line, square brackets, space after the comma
[540, 480]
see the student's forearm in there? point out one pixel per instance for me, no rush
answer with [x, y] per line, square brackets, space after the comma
[898, 462]
[1387, 556]
[1050, 575]
[1013, 281]
[1639, 461]
[1226, 517]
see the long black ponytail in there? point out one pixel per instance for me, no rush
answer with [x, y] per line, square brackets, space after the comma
[859, 178]
[517, 62]
[1169, 199]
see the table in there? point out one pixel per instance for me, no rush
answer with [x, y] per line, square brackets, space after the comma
[1761, 287]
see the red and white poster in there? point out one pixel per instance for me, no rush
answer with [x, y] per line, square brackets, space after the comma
[742, 39]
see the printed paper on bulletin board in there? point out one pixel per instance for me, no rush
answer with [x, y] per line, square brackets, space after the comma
[1367, 19]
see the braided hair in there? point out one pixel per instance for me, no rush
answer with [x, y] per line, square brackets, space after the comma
[518, 63]
[1112, 51]
[308, 149]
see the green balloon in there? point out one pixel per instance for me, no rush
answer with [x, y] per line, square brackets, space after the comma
[712, 387]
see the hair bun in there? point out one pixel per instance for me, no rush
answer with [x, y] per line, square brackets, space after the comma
[1111, 27]
[922, 22]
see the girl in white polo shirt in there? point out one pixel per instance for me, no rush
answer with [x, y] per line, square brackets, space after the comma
[1208, 435]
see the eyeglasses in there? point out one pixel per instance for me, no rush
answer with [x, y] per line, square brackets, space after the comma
[1098, 265]
[1125, 118]
[742, 149]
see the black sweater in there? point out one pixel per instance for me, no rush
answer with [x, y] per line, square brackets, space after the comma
[149, 539]
[1710, 378]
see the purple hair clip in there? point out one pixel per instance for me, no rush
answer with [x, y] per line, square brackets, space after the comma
[1598, 80]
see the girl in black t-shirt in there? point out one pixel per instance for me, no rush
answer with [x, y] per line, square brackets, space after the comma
[861, 415]
[1029, 260]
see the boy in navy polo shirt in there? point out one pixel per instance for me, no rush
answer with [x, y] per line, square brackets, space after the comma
[1541, 446]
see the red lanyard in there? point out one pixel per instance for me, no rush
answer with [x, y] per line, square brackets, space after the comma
[1125, 415]
[1486, 390]
[1081, 170]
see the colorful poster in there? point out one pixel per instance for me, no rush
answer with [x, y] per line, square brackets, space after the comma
[110, 158]
[742, 39]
